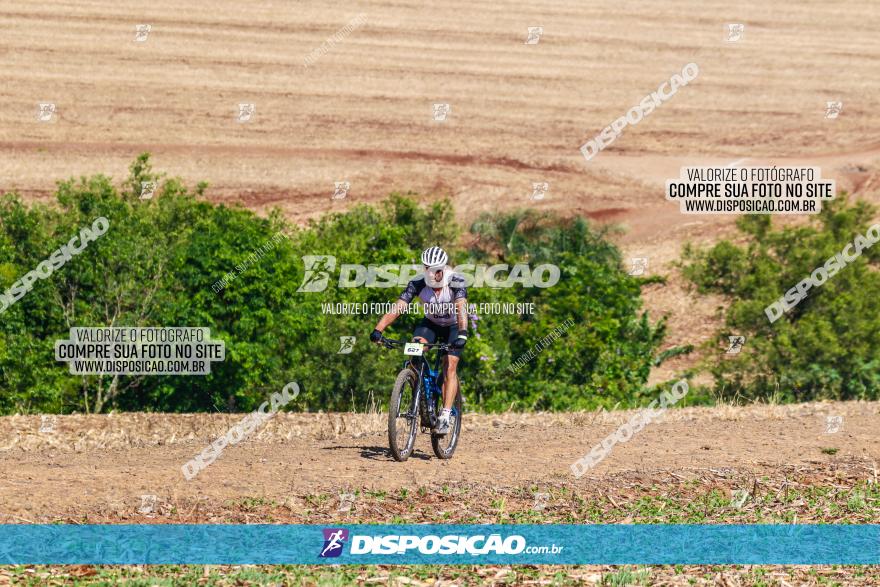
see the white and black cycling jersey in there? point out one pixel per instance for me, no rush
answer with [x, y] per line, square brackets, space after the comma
[439, 305]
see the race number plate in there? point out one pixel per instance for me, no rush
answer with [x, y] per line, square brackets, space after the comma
[413, 348]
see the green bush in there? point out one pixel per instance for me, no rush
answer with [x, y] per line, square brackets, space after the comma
[162, 261]
[828, 345]
[155, 266]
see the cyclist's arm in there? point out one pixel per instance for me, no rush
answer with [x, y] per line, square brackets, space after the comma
[386, 320]
[412, 290]
[461, 315]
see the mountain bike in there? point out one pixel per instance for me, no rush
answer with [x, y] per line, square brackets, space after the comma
[416, 401]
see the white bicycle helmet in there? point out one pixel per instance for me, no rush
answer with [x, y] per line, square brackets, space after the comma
[434, 257]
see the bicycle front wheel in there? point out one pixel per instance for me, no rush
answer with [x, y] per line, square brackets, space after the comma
[445, 445]
[402, 415]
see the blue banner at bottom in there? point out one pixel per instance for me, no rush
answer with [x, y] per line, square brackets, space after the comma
[440, 544]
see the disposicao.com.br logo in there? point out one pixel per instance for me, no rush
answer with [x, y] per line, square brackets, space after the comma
[394, 544]
[319, 270]
[334, 541]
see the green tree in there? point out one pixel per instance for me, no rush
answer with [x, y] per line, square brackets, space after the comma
[177, 260]
[828, 345]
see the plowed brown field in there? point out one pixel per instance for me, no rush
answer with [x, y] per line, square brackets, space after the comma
[99, 466]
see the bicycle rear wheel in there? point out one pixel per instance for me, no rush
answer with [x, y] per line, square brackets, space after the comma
[402, 415]
[445, 445]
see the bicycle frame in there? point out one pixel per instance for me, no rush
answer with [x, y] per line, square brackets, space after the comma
[428, 382]
[429, 379]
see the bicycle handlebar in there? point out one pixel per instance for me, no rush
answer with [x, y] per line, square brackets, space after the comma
[390, 342]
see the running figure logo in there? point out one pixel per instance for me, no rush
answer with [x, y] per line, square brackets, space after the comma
[246, 112]
[317, 272]
[441, 111]
[736, 344]
[341, 190]
[147, 190]
[45, 111]
[535, 33]
[142, 32]
[346, 345]
[833, 424]
[334, 540]
[539, 189]
[47, 423]
[833, 109]
[735, 32]
[639, 266]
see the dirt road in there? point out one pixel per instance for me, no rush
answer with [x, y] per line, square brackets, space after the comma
[91, 464]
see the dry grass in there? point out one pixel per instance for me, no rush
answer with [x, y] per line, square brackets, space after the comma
[843, 491]
[134, 430]
[449, 575]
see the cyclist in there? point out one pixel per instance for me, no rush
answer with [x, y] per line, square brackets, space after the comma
[444, 298]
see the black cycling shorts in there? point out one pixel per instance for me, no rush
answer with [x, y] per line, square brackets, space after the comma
[436, 333]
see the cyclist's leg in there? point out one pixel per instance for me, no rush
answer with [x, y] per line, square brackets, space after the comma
[450, 381]
[450, 368]
[425, 332]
